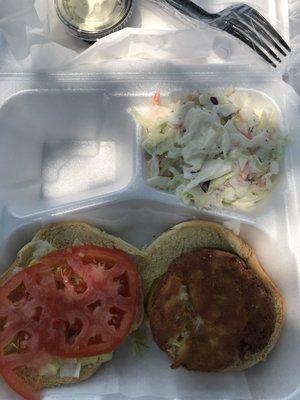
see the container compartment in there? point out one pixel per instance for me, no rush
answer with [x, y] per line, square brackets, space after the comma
[139, 222]
[257, 100]
[54, 134]
[76, 145]
[61, 146]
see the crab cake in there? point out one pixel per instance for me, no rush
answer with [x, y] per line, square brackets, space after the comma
[211, 310]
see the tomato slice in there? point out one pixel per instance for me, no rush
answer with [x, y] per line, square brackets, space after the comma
[17, 384]
[10, 373]
[75, 302]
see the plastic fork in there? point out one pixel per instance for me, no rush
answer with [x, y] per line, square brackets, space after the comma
[243, 22]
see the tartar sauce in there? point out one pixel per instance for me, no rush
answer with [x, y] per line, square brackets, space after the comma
[91, 19]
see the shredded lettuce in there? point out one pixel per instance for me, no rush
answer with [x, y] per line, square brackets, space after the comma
[93, 360]
[50, 369]
[138, 341]
[212, 149]
[42, 247]
[71, 368]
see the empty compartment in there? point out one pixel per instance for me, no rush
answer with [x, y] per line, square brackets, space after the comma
[59, 147]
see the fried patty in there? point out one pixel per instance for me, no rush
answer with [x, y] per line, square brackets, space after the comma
[209, 310]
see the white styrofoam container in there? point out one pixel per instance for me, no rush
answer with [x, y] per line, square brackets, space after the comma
[70, 150]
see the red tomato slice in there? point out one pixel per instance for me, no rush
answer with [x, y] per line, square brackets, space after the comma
[17, 384]
[75, 302]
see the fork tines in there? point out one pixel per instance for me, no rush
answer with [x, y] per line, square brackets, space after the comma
[249, 26]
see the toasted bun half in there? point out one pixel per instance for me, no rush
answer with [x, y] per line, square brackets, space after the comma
[61, 235]
[191, 236]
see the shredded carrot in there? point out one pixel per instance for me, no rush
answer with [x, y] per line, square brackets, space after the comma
[243, 175]
[156, 99]
[247, 134]
[262, 182]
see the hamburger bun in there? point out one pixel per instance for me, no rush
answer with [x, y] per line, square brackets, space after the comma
[211, 305]
[59, 236]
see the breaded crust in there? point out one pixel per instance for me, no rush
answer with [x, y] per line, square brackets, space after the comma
[195, 235]
[210, 310]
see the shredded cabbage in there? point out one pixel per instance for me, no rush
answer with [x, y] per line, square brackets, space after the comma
[212, 149]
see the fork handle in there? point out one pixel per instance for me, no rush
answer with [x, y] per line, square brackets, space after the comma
[191, 9]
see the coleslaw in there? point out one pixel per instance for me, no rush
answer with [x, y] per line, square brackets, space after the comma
[212, 148]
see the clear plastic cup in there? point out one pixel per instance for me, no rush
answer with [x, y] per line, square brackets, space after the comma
[92, 19]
